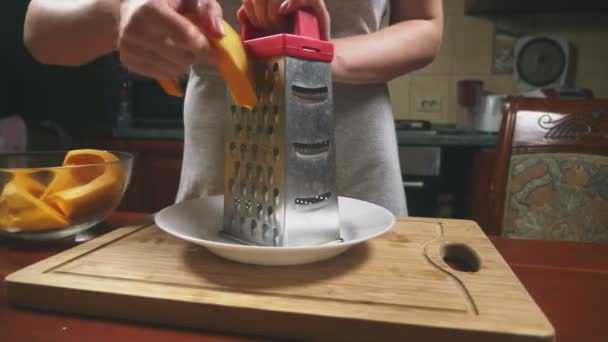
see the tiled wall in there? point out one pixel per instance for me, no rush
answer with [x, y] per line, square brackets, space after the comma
[467, 54]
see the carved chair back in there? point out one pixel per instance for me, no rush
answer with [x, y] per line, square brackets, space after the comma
[551, 177]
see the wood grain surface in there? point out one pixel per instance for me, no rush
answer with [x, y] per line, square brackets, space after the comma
[396, 286]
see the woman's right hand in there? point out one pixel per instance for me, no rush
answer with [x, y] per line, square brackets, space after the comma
[156, 40]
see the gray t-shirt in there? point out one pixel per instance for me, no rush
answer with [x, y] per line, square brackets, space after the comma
[366, 145]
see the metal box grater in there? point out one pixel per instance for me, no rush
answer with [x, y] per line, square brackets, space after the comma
[280, 156]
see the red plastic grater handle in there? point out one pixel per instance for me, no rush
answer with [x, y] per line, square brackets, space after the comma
[306, 24]
[305, 41]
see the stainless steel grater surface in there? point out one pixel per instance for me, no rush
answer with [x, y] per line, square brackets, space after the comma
[280, 166]
[280, 181]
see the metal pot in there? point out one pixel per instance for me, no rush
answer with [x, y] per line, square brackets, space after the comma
[489, 114]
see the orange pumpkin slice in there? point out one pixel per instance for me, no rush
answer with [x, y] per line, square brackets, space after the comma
[25, 180]
[232, 64]
[85, 174]
[172, 87]
[82, 172]
[97, 195]
[62, 180]
[21, 210]
[97, 186]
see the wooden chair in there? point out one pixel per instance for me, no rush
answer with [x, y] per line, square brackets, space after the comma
[551, 177]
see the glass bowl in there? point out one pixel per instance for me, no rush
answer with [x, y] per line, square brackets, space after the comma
[52, 195]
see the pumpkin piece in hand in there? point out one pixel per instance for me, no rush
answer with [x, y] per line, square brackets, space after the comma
[232, 63]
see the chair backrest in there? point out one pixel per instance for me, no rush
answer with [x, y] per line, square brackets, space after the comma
[551, 177]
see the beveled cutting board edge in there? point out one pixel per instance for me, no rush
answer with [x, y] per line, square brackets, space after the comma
[275, 324]
[24, 298]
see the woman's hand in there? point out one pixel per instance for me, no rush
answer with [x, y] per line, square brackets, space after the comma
[269, 15]
[155, 39]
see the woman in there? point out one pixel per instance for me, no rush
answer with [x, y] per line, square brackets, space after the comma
[153, 39]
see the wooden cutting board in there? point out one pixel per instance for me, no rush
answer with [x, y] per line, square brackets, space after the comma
[395, 287]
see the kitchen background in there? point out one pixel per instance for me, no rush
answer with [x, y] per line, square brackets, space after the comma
[78, 97]
[468, 53]
[448, 172]
[49, 97]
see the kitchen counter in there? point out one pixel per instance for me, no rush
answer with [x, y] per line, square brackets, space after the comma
[439, 137]
[446, 137]
[149, 133]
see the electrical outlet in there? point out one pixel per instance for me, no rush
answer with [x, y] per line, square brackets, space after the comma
[428, 104]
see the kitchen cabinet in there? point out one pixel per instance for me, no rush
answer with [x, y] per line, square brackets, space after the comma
[156, 181]
[462, 189]
[480, 188]
[473, 7]
[156, 173]
[465, 185]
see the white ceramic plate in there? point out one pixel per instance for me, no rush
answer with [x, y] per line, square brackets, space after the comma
[200, 220]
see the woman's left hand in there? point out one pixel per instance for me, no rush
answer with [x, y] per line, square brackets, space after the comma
[269, 15]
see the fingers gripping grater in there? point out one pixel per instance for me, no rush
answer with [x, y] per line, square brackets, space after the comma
[280, 171]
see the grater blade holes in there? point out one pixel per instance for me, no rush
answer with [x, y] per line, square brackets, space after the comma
[275, 236]
[253, 225]
[309, 95]
[243, 189]
[311, 150]
[243, 151]
[259, 210]
[312, 203]
[275, 153]
[249, 171]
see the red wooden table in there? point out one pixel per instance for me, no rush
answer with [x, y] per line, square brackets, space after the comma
[569, 281]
